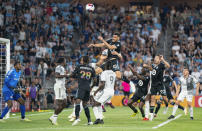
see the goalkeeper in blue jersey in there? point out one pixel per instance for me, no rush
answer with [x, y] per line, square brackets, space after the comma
[11, 91]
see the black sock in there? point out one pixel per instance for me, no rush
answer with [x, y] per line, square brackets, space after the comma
[157, 108]
[166, 103]
[151, 109]
[87, 112]
[142, 112]
[31, 106]
[77, 110]
[123, 78]
[180, 107]
[133, 108]
[37, 106]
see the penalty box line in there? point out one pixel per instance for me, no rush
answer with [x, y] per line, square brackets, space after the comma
[166, 122]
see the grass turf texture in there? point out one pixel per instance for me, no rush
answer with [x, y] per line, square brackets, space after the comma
[117, 119]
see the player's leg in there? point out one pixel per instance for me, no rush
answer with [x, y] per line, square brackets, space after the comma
[101, 60]
[147, 106]
[130, 104]
[6, 109]
[141, 109]
[152, 106]
[38, 102]
[189, 102]
[85, 106]
[159, 102]
[22, 106]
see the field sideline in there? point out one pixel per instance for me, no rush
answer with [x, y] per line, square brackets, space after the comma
[117, 119]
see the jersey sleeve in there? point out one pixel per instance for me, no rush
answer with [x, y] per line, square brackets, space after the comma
[93, 73]
[103, 76]
[162, 66]
[75, 73]
[9, 81]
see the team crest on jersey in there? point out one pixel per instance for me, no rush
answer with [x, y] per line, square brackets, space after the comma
[140, 83]
[153, 72]
[164, 79]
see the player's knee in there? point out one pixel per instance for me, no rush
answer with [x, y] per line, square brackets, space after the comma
[10, 104]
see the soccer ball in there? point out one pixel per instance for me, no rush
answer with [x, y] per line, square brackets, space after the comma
[90, 7]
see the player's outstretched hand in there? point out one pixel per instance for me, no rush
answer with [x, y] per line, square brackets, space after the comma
[91, 45]
[161, 57]
[100, 38]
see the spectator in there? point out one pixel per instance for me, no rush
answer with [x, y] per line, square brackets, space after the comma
[49, 98]
[33, 95]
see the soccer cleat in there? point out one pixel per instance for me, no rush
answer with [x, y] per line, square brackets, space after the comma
[90, 123]
[2, 121]
[185, 111]
[76, 122]
[145, 119]
[71, 115]
[101, 122]
[171, 117]
[134, 114]
[52, 121]
[165, 110]
[97, 121]
[155, 115]
[25, 119]
[72, 119]
[192, 118]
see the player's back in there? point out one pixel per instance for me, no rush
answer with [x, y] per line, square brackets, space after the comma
[109, 77]
[84, 75]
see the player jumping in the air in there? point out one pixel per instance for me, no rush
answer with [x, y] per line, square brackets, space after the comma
[141, 91]
[60, 90]
[84, 74]
[157, 81]
[11, 91]
[104, 92]
[185, 90]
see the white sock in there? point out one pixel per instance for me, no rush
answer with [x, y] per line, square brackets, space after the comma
[55, 117]
[147, 109]
[174, 109]
[191, 110]
[100, 112]
[96, 112]
[81, 107]
[73, 112]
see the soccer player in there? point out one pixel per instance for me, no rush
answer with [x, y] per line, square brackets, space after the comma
[84, 74]
[157, 87]
[11, 92]
[167, 80]
[39, 88]
[104, 92]
[185, 88]
[112, 54]
[141, 91]
[60, 90]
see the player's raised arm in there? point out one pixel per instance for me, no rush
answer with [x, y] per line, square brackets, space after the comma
[118, 54]
[178, 90]
[147, 66]
[96, 45]
[101, 87]
[135, 73]
[111, 47]
[175, 85]
[167, 65]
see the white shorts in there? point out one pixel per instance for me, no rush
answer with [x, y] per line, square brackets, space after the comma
[103, 96]
[186, 95]
[60, 92]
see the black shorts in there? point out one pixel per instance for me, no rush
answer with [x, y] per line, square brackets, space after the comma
[126, 93]
[168, 93]
[114, 62]
[158, 90]
[136, 97]
[82, 94]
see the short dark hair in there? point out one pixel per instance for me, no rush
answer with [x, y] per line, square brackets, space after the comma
[85, 59]
[16, 62]
[116, 33]
[61, 60]
[108, 65]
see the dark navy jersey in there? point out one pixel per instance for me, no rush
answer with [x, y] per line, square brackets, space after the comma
[118, 48]
[84, 74]
[167, 80]
[142, 86]
[157, 74]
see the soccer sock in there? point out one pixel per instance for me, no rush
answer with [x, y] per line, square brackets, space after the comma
[133, 108]
[181, 107]
[5, 111]
[152, 109]
[22, 110]
[142, 112]
[95, 111]
[100, 112]
[191, 111]
[147, 109]
[31, 106]
[157, 108]
[174, 109]
[81, 107]
[166, 104]
[55, 117]
[77, 110]
[87, 112]
[37, 106]
[173, 103]
[123, 78]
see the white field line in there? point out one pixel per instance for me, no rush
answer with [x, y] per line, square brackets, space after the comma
[166, 122]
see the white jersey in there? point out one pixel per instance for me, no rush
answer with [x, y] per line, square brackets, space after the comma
[186, 84]
[61, 70]
[109, 77]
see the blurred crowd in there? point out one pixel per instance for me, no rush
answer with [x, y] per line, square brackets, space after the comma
[42, 31]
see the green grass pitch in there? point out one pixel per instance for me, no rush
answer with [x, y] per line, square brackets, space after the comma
[117, 119]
